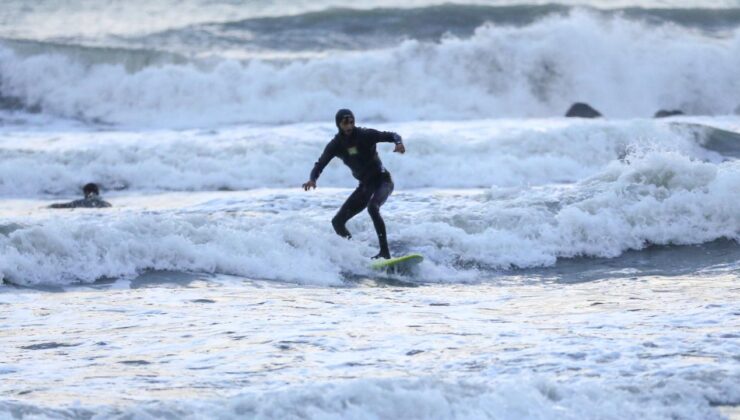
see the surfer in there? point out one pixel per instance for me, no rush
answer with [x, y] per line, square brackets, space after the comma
[356, 147]
[92, 199]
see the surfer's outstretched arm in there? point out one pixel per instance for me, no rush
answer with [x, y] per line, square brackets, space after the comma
[318, 167]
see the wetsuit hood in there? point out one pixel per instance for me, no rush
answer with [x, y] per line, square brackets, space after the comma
[90, 190]
[341, 114]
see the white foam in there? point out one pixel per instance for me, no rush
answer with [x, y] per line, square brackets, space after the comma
[658, 198]
[530, 397]
[661, 198]
[623, 68]
[660, 347]
[86, 248]
[473, 154]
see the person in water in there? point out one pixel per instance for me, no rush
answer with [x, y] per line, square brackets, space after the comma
[92, 199]
[356, 147]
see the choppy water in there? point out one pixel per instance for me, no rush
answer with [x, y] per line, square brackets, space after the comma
[574, 268]
[190, 346]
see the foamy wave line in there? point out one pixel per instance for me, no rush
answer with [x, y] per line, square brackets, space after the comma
[530, 397]
[661, 198]
[85, 249]
[658, 199]
[440, 155]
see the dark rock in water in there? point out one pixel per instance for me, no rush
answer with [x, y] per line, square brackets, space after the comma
[582, 110]
[664, 113]
[46, 346]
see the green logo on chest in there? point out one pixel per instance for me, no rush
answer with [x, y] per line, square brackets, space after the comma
[352, 150]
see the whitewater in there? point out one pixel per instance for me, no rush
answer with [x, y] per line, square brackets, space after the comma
[574, 268]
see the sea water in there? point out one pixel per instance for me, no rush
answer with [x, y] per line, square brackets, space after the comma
[573, 268]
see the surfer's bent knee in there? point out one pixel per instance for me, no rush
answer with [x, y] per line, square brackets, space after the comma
[339, 227]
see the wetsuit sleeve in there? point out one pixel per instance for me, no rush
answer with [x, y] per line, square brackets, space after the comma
[69, 205]
[326, 157]
[385, 136]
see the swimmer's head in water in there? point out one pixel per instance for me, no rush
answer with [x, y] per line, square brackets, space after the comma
[90, 190]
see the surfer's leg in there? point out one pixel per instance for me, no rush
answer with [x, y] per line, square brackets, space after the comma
[356, 202]
[381, 193]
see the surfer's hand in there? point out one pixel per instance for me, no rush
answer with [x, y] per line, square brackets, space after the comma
[308, 185]
[400, 148]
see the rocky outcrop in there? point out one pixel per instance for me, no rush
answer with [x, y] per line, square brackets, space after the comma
[665, 113]
[582, 110]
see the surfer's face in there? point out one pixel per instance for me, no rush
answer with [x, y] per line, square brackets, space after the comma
[347, 124]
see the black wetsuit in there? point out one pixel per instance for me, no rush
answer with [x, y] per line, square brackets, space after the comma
[87, 202]
[358, 152]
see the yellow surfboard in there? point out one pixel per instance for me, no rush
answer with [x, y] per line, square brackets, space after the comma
[398, 264]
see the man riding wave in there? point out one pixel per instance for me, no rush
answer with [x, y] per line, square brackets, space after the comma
[356, 147]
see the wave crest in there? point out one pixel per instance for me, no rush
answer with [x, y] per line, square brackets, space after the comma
[623, 68]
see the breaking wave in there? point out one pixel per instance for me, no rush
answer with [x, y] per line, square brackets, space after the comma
[624, 68]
